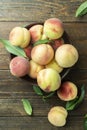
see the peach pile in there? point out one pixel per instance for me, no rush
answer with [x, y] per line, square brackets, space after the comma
[45, 61]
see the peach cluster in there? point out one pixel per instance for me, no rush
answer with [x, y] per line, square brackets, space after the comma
[45, 61]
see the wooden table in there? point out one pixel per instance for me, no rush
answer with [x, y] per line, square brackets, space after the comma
[12, 89]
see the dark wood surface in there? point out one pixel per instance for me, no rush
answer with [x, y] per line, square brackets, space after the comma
[12, 89]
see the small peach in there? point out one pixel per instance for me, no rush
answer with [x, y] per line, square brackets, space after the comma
[28, 51]
[19, 37]
[19, 66]
[53, 28]
[57, 43]
[36, 32]
[42, 54]
[48, 80]
[57, 116]
[53, 64]
[68, 91]
[34, 68]
[66, 55]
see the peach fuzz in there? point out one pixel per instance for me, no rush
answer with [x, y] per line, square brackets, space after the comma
[48, 80]
[53, 28]
[19, 37]
[34, 69]
[68, 91]
[66, 55]
[36, 32]
[57, 116]
[53, 64]
[19, 66]
[42, 54]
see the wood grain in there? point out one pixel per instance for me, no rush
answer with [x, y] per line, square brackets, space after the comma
[26, 123]
[37, 10]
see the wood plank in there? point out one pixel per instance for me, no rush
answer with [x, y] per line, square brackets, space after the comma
[28, 10]
[14, 107]
[38, 123]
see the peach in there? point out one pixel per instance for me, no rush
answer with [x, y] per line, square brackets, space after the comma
[36, 32]
[53, 28]
[48, 80]
[57, 116]
[43, 37]
[28, 51]
[68, 91]
[19, 37]
[53, 64]
[57, 43]
[34, 68]
[66, 55]
[19, 66]
[42, 54]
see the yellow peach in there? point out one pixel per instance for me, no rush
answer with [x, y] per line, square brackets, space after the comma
[36, 32]
[53, 64]
[48, 80]
[34, 68]
[57, 116]
[53, 28]
[42, 54]
[66, 55]
[19, 37]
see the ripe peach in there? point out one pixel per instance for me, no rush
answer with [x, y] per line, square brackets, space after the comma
[66, 55]
[36, 32]
[53, 64]
[42, 54]
[28, 51]
[53, 28]
[48, 80]
[43, 37]
[57, 116]
[19, 37]
[34, 68]
[19, 66]
[68, 91]
[57, 43]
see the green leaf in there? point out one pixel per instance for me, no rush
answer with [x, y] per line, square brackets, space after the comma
[82, 10]
[42, 42]
[27, 106]
[71, 105]
[85, 122]
[13, 49]
[49, 95]
[37, 90]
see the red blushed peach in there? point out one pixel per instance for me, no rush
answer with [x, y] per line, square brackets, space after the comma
[19, 66]
[28, 51]
[34, 68]
[57, 116]
[66, 55]
[48, 80]
[57, 43]
[42, 54]
[19, 37]
[36, 32]
[53, 28]
[68, 91]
